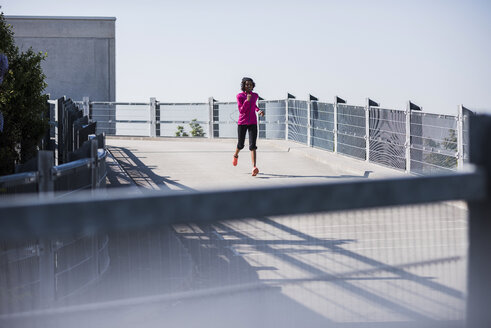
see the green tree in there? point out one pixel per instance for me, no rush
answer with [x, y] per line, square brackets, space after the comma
[196, 129]
[444, 160]
[180, 132]
[22, 102]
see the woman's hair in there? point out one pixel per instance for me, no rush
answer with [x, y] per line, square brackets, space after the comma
[244, 80]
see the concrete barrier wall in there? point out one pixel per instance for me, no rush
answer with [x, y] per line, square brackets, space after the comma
[81, 53]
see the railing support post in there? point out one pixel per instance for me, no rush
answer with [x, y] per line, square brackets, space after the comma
[95, 162]
[47, 286]
[337, 101]
[309, 123]
[153, 117]
[86, 106]
[460, 137]
[367, 130]
[369, 103]
[211, 107]
[45, 164]
[479, 263]
[407, 144]
[286, 117]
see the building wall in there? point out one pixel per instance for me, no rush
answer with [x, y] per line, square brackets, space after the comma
[81, 53]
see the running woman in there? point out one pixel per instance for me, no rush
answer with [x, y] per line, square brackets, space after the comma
[246, 100]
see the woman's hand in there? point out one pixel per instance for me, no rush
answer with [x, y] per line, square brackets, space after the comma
[249, 96]
[261, 113]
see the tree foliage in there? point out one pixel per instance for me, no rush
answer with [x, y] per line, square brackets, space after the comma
[22, 102]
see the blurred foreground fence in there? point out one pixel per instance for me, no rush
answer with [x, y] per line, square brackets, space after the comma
[401, 252]
[408, 139]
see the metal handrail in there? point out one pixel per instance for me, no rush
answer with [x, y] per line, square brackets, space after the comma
[167, 207]
[19, 179]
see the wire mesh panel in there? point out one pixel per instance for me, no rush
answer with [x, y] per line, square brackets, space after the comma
[401, 266]
[79, 262]
[73, 177]
[46, 273]
[388, 137]
[351, 131]
[173, 116]
[433, 143]
[19, 276]
[322, 123]
[274, 118]
[228, 115]
[133, 120]
[105, 116]
[19, 183]
[297, 120]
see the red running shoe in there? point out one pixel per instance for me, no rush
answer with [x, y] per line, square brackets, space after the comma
[236, 159]
[255, 171]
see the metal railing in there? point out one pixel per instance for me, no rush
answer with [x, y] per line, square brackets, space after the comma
[409, 140]
[34, 218]
[87, 173]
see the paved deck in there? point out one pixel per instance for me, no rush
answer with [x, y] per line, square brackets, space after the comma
[199, 164]
[394, 267]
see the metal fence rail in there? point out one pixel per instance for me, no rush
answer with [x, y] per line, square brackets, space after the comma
[61, 179]
[410, 140]
[383, 265]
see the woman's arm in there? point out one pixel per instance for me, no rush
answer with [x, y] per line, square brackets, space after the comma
[243, 103]
[260, 111]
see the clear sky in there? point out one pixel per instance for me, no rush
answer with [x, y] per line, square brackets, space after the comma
[435, 53]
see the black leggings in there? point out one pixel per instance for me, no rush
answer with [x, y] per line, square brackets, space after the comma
[241, 131]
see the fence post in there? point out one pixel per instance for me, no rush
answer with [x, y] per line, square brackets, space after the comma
[409, 108]
[309, 117]
[286, 115]
[47, 286]
[86, 106]
[369, 103]
[460, 137]
[45, 164]
[336, 101]
[479, 263]
[95, 162]
[367, 130]
[211, 105]
[153, 116]
[157, 117]
[261, 123]
[407, 144]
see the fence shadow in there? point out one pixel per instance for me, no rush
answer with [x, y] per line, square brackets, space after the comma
[142, 175]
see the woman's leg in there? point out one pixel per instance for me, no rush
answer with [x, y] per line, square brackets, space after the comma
[253, 157]
[252, 142]
[241, 132]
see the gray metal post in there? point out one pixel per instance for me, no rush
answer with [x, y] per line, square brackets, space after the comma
[479, 262]
[309, 132]
[95, 255]
[45, 164]
[153, 116]
[286, 117]
[336, 99]
[460, 137]
[95, 163]
[157, 118]
[47, 286]
[407, 144]
[367, 130]
[369, 103]
[211, 103]
[86, 106]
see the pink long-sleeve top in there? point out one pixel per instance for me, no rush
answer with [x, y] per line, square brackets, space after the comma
[247, 109]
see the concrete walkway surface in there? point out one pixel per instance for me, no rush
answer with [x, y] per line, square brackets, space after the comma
[200, 164]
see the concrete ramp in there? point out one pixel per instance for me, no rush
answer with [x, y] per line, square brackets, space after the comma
[200, 164]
